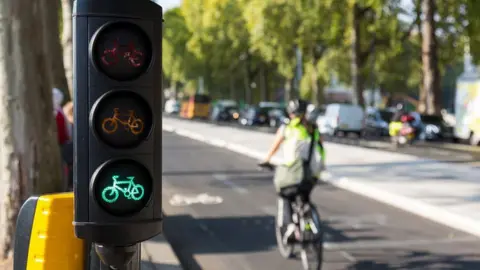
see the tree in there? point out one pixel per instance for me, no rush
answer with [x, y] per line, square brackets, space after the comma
[227, 39]
[273, 27]
[53, 46]
[67, 31]
[472, 27]
[178, 61]
[312, 40]
[30, 157]
[431, 73]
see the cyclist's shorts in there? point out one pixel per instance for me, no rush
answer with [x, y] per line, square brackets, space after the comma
[303, 188]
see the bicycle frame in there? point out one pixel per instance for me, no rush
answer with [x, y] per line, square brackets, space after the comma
[119, 52]
[131, 118]
[116, 184]
[299, 209]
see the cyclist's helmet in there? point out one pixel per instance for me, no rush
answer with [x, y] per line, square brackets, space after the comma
[400, 106]
[297, 107]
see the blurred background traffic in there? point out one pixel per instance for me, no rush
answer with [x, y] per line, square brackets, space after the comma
[238, 61]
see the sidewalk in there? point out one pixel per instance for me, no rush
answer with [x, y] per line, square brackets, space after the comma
[158, 255]
[446, 193]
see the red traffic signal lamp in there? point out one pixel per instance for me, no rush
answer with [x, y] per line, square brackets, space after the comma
[117, 134]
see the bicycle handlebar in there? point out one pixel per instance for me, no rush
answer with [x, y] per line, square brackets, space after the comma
[266, 165]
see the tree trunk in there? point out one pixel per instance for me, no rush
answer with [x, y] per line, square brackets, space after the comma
[267, 85]
[246, 83]
[356, 65]
[30, 157]
[53, 47]
[263, 84]
[431, 74]
[314, 85]
[288, 89]
[174, 88]
[67, 6]
[231, 81]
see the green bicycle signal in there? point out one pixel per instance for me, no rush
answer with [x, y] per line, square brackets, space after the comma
[130, 190]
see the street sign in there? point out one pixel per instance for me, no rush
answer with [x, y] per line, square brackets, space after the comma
[117, 133]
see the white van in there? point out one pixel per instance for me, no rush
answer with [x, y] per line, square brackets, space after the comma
[342, 118]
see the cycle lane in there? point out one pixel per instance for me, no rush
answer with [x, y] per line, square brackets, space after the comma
[238, 234]
[445, 193]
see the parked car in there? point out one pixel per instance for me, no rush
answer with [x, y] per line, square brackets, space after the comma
[346, 118]
[377, 121]
[436, 128]
[269, 104]
[224, 112]
[256, 116]
[172, 106]
[277, 117]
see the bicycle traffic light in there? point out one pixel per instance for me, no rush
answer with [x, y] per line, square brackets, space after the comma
[117, 135]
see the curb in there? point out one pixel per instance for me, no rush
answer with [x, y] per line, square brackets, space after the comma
[415, 206]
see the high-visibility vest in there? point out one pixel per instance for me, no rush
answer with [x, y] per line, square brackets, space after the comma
[297, 145]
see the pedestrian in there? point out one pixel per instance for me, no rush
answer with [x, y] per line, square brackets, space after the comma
[68, 111]
[63, 137]
[60, 118]
[67, 149]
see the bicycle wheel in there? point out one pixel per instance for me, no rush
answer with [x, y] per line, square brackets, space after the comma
[136, 127]
[312, 256]
[285, 249]
[137, 192]
[312, 251]
[110, 194]
[109, 125]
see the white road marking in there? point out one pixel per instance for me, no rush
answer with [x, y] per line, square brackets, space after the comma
[348, 256]
[204, 198]
[218, 143]
[168, 128]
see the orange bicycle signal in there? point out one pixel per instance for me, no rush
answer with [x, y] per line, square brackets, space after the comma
[132, 124]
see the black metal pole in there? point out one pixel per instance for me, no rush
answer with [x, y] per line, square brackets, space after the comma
[112, 258]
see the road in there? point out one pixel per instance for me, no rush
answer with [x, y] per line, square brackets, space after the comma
[238, 233]
[448, 152]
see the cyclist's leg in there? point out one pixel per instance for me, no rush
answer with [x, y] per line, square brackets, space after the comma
[284, 212]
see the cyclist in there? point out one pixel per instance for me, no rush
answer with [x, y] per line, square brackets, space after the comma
[296, 136]
[396, 121]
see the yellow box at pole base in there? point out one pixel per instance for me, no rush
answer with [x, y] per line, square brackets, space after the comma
[45, 235]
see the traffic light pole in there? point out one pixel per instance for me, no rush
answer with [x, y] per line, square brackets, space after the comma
[106, 258]
[117, 133]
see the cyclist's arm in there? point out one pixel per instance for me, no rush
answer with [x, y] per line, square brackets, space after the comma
[279, 138]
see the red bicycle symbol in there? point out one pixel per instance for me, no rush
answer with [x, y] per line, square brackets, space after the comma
[128, 52]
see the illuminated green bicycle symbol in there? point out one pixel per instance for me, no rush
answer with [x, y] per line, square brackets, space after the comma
[131, 191]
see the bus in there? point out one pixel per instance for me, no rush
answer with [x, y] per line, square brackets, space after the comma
[196, 106]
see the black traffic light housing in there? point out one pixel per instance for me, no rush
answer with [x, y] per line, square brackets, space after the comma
[117, 130]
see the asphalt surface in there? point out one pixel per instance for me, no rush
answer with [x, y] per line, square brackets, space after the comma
[239, 232]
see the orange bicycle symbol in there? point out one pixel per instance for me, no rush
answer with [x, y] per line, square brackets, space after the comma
[134, 124]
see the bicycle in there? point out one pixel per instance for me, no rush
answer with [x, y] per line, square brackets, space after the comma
[132, 55]
[133, 191]
[308, 232]
[135, 125]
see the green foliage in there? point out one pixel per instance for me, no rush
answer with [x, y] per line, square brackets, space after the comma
[227, 41]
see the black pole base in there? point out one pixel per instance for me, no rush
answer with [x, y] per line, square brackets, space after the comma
[116, 257]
